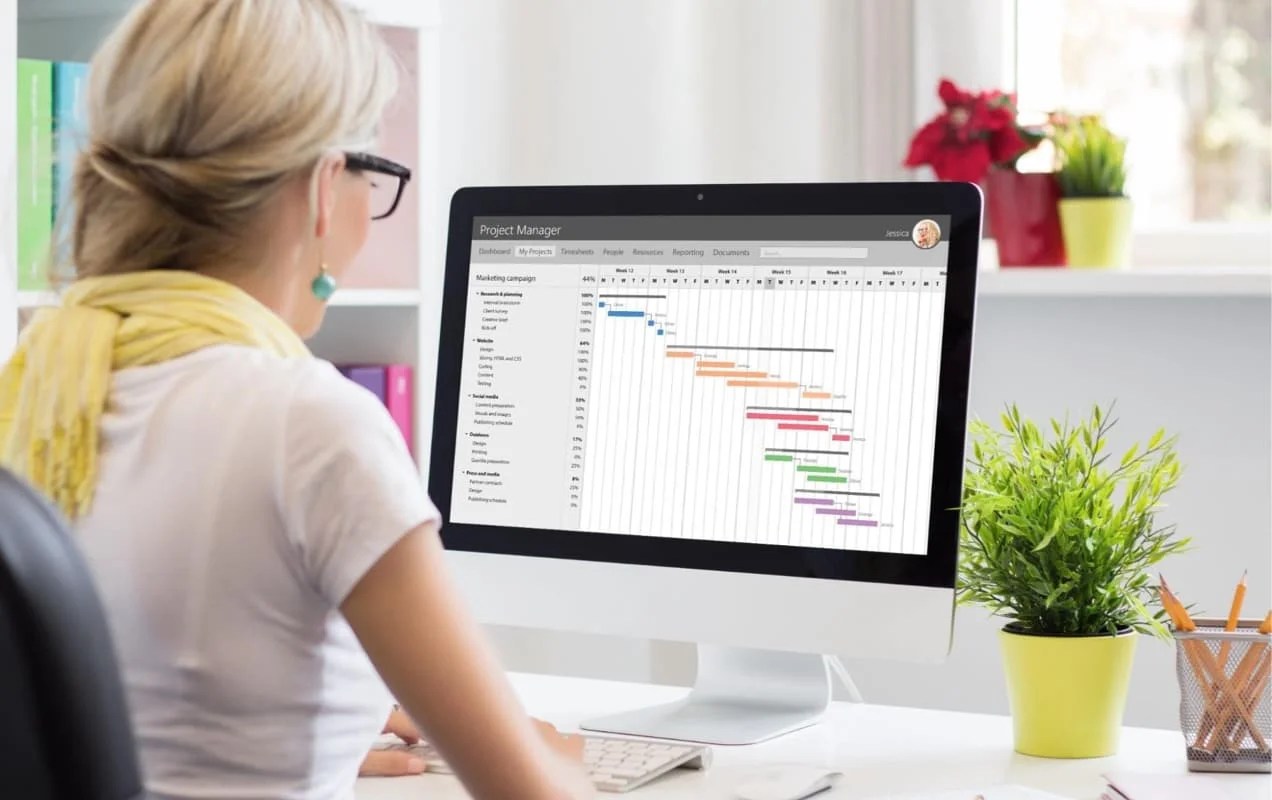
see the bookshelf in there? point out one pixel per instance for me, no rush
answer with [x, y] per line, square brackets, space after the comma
[389, 307]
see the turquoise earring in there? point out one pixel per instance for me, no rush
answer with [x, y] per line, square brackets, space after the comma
[323, 286]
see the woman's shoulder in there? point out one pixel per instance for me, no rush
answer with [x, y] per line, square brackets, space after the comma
[296, 386]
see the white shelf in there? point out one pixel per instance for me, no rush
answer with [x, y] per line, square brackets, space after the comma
[1169, 282]
[346, 298]
[37, 299]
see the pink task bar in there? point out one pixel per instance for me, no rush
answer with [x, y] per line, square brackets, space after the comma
[782, 417]
[796, 426]
[841, 437]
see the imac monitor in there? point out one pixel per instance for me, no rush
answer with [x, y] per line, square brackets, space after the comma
[731, 415]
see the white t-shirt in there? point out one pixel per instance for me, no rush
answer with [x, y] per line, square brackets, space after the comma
[241, 498]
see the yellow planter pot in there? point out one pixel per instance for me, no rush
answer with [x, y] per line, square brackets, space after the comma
[1096, 230]
[1067, 693]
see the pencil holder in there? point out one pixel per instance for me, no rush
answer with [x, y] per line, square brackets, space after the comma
[1225, 705]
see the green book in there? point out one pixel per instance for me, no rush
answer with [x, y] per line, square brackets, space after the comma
[35, 172]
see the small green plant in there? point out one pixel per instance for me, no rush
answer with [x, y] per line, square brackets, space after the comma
[1056, 537]
[1092, 160]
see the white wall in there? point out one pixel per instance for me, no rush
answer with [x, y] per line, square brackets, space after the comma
[648, 91]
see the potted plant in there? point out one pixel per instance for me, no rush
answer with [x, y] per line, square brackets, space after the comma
[977, 138]
[1095, 213]
[1059, 537]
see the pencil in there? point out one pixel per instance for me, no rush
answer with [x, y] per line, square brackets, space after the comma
[1221, 733]
[1214, 683]
[1249, 679]
[1179, 616]
[1174, 607]
[1234, 614]
[1251, 688]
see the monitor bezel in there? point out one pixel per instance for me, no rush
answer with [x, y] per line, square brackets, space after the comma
[962, 202]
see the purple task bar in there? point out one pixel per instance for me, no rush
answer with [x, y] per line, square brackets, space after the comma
[868, 523]
[813, 501]
[839, 512]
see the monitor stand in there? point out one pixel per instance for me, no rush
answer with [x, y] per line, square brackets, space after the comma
[741, 696]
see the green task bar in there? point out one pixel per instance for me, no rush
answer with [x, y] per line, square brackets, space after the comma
[777, 457]
[812, 468]
[828, 478]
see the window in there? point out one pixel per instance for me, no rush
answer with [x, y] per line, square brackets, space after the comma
[1188, 82]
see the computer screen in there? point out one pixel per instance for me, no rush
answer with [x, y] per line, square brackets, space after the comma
[747, 379]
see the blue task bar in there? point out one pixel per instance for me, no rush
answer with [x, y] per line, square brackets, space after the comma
[651, 323]
[601, 304]
[617, 313]
[660, 331]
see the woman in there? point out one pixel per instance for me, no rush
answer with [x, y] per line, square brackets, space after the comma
[255, 525]
[926, 234]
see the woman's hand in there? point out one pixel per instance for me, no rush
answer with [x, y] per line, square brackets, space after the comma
[394, 763]
[566, 745]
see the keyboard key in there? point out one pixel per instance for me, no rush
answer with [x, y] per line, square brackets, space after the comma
[613, 764]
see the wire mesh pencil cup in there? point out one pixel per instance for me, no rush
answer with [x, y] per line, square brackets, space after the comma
[1225, 704]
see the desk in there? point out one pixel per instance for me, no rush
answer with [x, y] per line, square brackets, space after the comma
[881, 750]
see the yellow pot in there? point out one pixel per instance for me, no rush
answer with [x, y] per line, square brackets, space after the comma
[1096, 230]
[1067, 693]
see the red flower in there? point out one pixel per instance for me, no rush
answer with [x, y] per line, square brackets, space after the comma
[974, 131]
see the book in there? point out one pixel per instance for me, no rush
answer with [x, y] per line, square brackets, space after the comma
[393, 384]
[35, 172]
[400, 400]
[371, 378]
[70, 128]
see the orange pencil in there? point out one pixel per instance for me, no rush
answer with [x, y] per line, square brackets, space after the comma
[1234, 614]
[1250, 680]
[1174, 607]
[1179, 616]
[1210, 676]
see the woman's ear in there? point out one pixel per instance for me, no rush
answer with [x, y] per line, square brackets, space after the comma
[325, 180]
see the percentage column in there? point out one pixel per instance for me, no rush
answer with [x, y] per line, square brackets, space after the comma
[582, 385]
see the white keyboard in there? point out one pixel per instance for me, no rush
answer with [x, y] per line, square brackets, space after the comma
[614, 764]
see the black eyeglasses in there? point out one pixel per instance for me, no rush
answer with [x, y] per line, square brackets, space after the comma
[385, 194]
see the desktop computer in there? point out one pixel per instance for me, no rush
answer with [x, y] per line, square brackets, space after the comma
[731, 415]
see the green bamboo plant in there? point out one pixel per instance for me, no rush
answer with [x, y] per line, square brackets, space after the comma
[1057, 537]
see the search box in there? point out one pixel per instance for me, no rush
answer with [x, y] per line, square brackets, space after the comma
[812, 252]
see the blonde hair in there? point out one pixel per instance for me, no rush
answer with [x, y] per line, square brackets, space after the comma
[199, 111]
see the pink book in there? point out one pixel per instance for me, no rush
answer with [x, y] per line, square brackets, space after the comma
[399, 397]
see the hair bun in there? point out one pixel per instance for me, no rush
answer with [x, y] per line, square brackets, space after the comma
[166, 182]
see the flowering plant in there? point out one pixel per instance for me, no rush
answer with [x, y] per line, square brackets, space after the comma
[976, 130]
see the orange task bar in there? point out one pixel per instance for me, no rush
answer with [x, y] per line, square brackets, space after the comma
[728, 373]
[816, 395]
[744, 384]
[680, 354]
[716, 364]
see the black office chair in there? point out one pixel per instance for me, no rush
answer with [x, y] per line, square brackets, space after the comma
[65, 733]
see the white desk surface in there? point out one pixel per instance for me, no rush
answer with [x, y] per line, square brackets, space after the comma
[881, 751]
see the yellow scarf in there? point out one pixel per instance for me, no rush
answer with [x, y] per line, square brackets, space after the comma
[53, 391]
